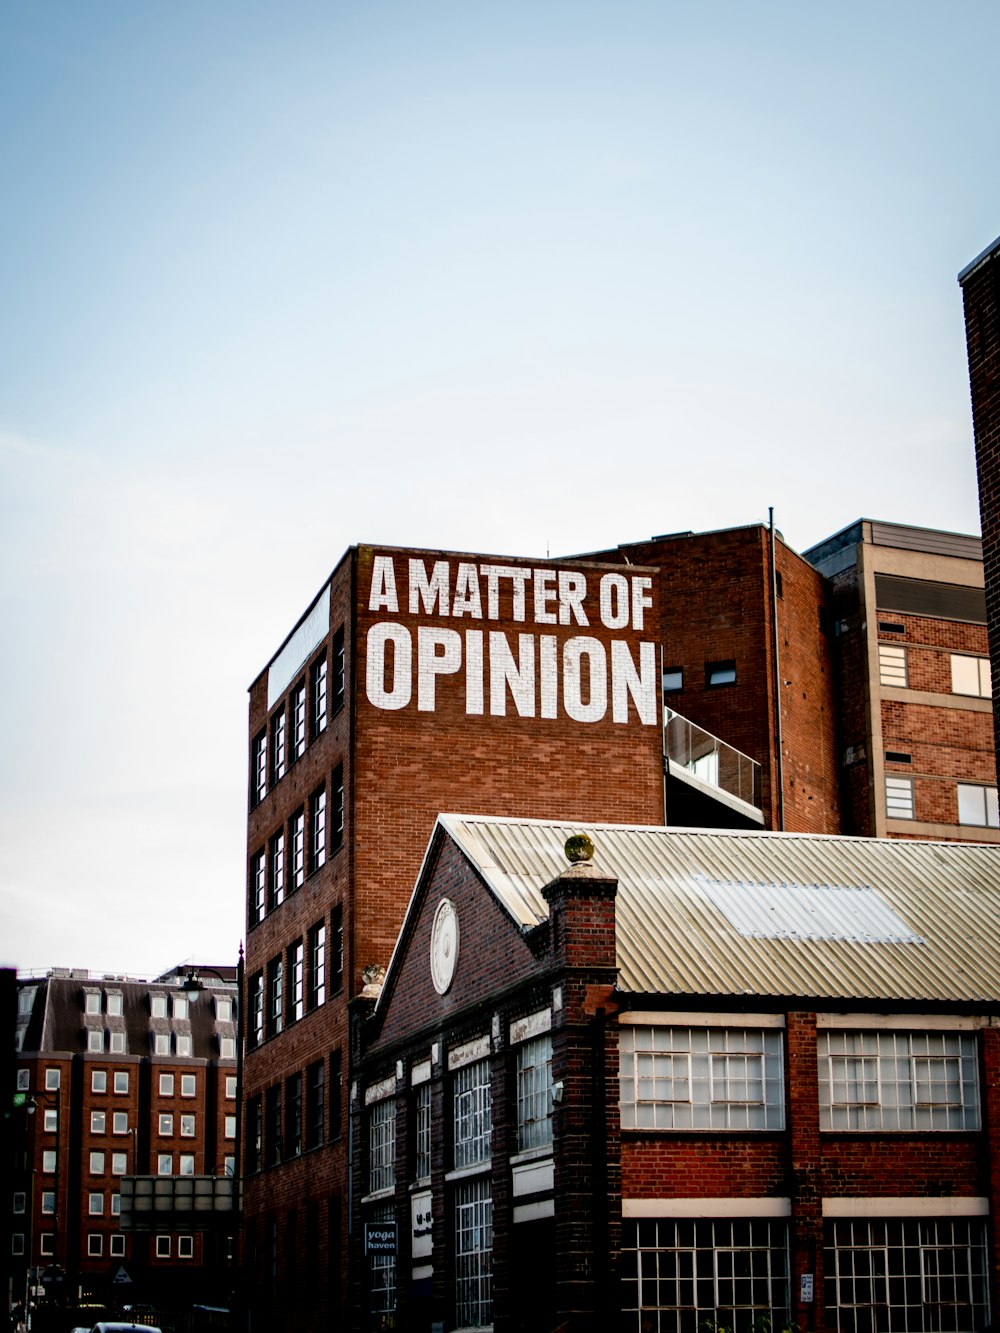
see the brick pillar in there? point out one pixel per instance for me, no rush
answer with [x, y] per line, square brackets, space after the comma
[805, 1182]
[991, 1135]
[585, 1131]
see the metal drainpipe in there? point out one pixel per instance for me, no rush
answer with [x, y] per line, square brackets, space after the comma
[777, 674]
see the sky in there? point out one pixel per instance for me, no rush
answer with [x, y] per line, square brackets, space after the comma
[529, 278]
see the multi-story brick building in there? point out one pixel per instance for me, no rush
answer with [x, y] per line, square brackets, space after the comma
[118, 1078]
[980, 283]
[705, 1080]
[692, 680]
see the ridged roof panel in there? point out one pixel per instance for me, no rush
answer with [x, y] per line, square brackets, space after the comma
[766, 914]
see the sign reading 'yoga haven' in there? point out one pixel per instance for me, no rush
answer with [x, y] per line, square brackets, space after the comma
[511, 640]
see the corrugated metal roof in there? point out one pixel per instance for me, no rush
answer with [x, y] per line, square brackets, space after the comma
[768, 914]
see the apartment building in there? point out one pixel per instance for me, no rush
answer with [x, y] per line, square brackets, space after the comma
[118, 1079]
[702, 1080]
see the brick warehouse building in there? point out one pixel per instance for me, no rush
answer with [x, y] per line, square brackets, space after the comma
[980, 283]
[118, 1078]
[392, 700]
[704, 1080]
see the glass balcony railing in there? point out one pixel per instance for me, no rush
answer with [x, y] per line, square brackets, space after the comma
[710, 760]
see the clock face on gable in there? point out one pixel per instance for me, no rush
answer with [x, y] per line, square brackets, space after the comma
[444, 945]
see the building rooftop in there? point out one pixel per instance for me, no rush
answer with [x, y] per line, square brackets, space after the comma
[715, 913]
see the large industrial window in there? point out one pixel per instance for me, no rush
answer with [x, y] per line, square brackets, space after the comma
[473, 1108]
[978, 806]
[474, 1253]
[898, 1081]
[701, 1078]
[258, 887]
[339, 671]
[275, 1003]
[276, 859]
[298, 873]
[534, 1093]
[317, 690]
[299, 722]
[317, 966]
[293, 1116]
[296, 981]
[258, 774]
[383, 1271]
[422, 1132]
[278, 746]
[315, 1104]
[907, 1276]
[337, 809]
[382, 1145]
[971, 675]
[682, 1275]
[317, 829]
[892, 665]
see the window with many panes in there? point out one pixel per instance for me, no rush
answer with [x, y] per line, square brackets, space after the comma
[681, 1275]
[278, 746]
[298, 840]
[315, 1095]
[337, 809]
[339, 671]
[317, 689]
[337, 949]
[275, 1001]
[898, 1081]
[422, 1131]
[317, 829]
[296, 981]
[892, 665]
[258, 887]
[382, 1145]
[256, 989]
[701, 1078]
[977, 805]
[276, 864]
[971, 675]
[899, 1275]
[258, 768]
[299, 721]
[293, 1115]
[317, 966]
[534, 1093]
[272, 1125]
[383, 1275]
[472, 1106]
[474, 1253]
[899, 798]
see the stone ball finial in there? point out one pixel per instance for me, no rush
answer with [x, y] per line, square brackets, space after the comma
[579, 848]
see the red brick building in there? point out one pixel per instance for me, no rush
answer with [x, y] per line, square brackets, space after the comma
[693, 680]
[980, 283]
[118, 1078]
[704, 1080]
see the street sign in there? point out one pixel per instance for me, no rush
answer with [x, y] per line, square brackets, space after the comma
[20, 1098]
[121, 1278]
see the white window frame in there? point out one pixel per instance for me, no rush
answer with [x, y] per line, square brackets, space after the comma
[121, 1082]
[185, 1164]
[971, 676]
[223, 1009]
[119, 1122]
[472, 1112]
[185, 1247]
[115, 1003]
[701, 1078]
[92, 1002]
[95, 1244]
[382, 1145]
[49, 1162]
[158, 1005]
[187, 1126]
[898, 1082]
[95, 1203]
[48, 1203]
[164, 1164]
[166, 1085]
[162, 1247]
[117, 1044]
[474, 1252]
[116, 1245]
[98, 1080]
[161, 1043]
[97, 1160]
[900, 802]
[977, 805]
[189, 1085]
[182, 1045]
[95, 1040]
[893, 665]
[119, 1164]
[53, 1078]
[165, 1125]
[534, 1093]
[98, 1122]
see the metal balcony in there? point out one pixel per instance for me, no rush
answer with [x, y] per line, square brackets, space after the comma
[703, 760]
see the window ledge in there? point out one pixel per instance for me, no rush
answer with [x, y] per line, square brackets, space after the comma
[531, 1154]
[379, 1196]
[464, 1172]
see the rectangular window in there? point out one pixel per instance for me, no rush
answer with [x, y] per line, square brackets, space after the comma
[337, 809]
[227, 1048]
[161, 1043]
[258, 768]
[49, 1161]
[720, 673]
[117, 1043]
[298, 838]
[422, 1132]
[971, 675]
[297, 981]
[187, 1126]
[339, 671]
[119, 1164]
[52, 1080]
[473, 1114]
[299, 722]
[255, 1134]
[317, 966]
[703, 1274]
[186, 1164]
[95, 1205]
[317, 679]
[673, 679]
[97, 1163]
[892, 665]
[158, 1006]
[182, 1044]
[258, 887]
[185, 1247]
[48, 1202]
[898, 1081]
[905, 1274]
[701, 1078]
[275, 1001]
[121, 1081]
[50, 1120]
[181, 1007]
[337, 942]
[336, 1094]
[276, 859]
[223, 1009]
[317, 829]
[534, 1093]
[163, 1247]
[229, 1127]
[382, 1146]
[116, 1246]
[189, 1085]
[293, 1116]
[230, 1087]
[315, 1096]
[17, 1243]
[164, 1164]
[383, 1277]
[474, 1253]
[115, 1004]
[165, 1125]
[119, 1122]
[92, 1002]
[978, 806]
[899, 798]
[95, 1244]
[166, 1085]
[95, 1040]
[256, 1034]
[47, 1243]
[278, 747]
[272, 1126]
[99, 1080]
[21, 1200]
[98, 1122]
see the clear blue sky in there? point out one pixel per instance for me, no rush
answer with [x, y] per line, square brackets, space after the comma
[535, 276]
